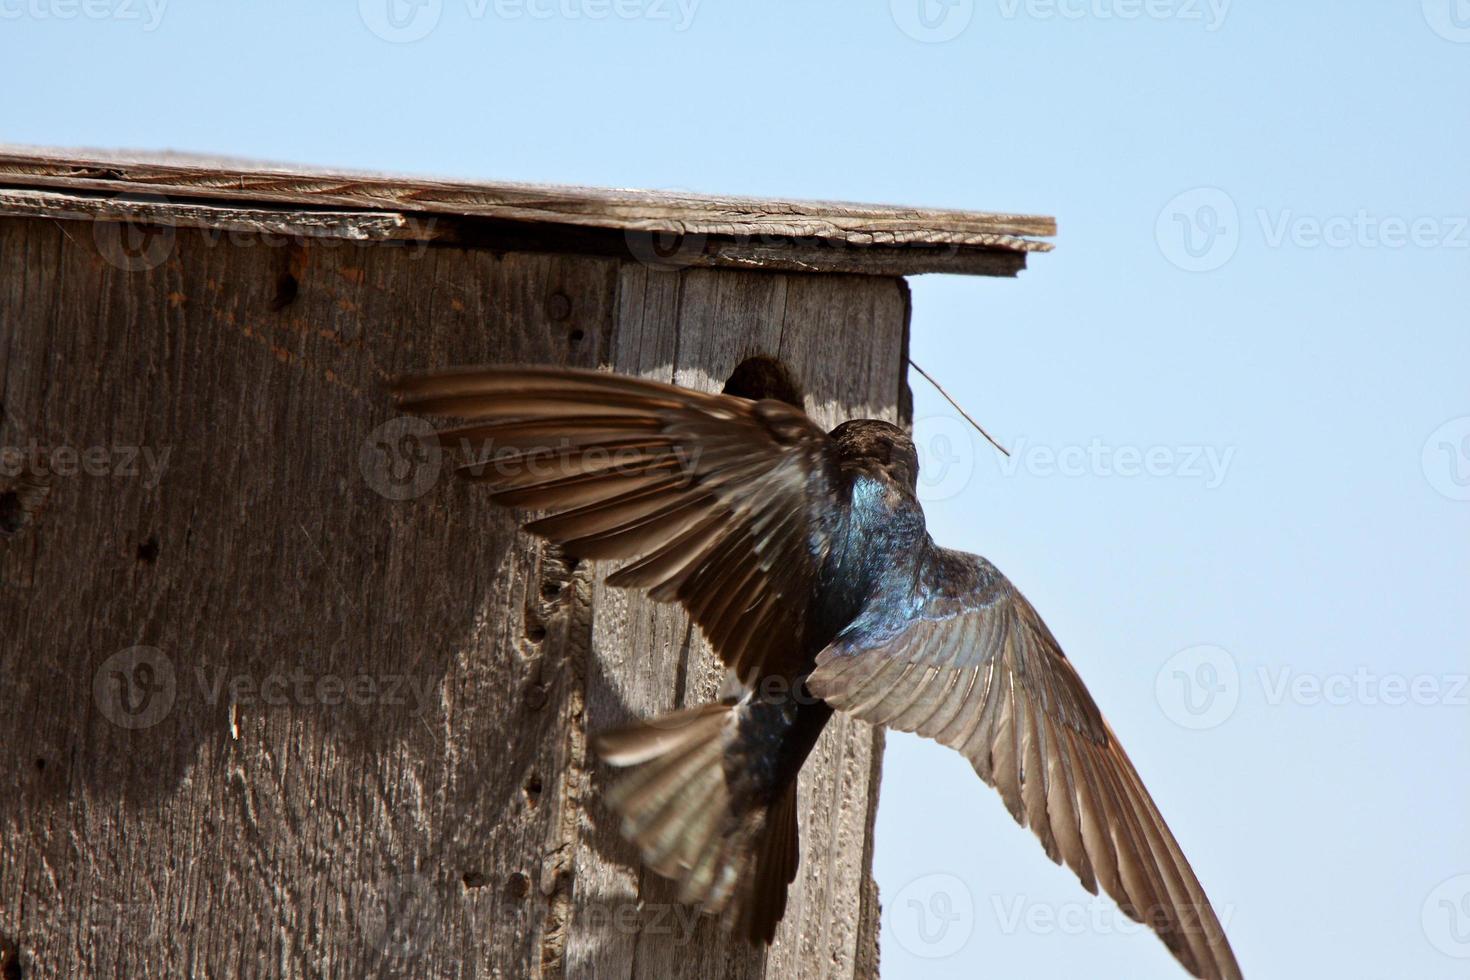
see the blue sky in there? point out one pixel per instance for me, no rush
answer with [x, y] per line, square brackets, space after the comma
[1237, 392]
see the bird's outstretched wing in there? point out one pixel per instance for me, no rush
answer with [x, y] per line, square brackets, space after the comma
[719, 499]
[965, 659]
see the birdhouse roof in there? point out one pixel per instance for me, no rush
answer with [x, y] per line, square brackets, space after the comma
[671, 229]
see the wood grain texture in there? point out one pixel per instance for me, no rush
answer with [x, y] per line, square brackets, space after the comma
[284, 224]
[359, 226]
[641, 210]
[682, 230]
[362, 747]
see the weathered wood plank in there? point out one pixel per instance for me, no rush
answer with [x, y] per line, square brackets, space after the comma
[825, 331]
[360, 226]
[284, 224]
[624, 210]
[403, 830]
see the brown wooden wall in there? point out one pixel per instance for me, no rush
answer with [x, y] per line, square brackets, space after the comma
[281, 697]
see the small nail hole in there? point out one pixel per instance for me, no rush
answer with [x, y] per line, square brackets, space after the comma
[12, 515]
[286, 290]
[10, 968]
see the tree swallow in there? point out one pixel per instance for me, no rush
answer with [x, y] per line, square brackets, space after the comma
[803, 557]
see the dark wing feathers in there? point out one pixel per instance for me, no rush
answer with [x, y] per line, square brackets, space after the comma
[976, 669]
[711, 495]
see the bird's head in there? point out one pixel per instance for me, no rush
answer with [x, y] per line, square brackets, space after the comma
[879, 448]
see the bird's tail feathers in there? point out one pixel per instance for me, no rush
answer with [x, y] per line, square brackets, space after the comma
[728, 852]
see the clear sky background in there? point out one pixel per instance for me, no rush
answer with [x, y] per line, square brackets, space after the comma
[1238, 393]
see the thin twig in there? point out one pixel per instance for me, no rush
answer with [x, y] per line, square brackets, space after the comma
[978, 427]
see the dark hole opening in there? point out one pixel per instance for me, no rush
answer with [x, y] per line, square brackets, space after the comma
[286, 289]
[12, 515]
[148, 550]
[764, 377]
[10, 960]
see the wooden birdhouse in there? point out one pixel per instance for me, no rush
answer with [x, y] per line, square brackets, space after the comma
[283, 695]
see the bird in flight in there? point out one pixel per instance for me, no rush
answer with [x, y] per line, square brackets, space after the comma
[804, 559]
